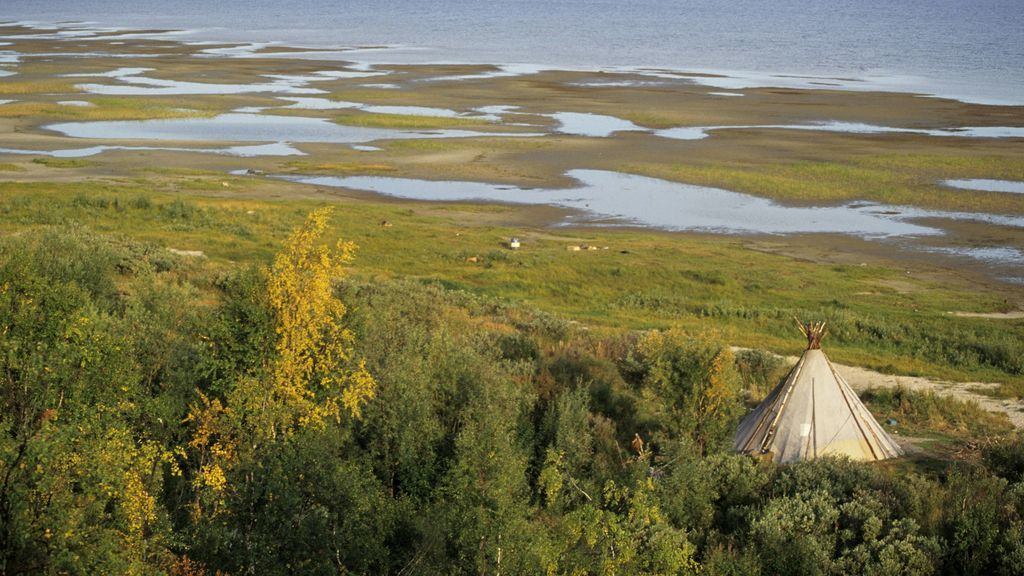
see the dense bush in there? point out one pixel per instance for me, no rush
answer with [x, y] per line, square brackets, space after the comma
[147, 429]
[916, 411]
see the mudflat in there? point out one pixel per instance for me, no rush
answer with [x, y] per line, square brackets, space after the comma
[110, 108]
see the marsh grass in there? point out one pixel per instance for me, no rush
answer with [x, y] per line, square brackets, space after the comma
[405, 121]
[660, 281]
[481, 145]
[178, 171]
[305, 166]
[145, 107]
[374, 96]
[24, 87]
[9, 167]
[655, 120]
[894, 179]
[104, 108]
[759, 371]
[62, 162]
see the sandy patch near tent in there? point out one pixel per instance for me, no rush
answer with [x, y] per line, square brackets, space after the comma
[861, 379]
[994, 315]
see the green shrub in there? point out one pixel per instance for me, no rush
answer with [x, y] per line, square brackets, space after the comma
[916, 411]
[759, 371]
[62, 162]
[1006, 458]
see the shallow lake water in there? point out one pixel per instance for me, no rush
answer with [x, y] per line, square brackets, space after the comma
[275, 149]
[987, 185]
[144, 86]
[252, 128]
[638, 200]
[312, 103]
[594, 125]
[326, 104]
[134, 83]
[701, 132]
[615, 199]
[930, 46]
[1007, 262]
[996, 254]
[500, 71]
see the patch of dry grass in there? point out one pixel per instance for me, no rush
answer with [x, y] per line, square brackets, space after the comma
[49, 86]
[339, 167]
[406, 121]
[103, 108]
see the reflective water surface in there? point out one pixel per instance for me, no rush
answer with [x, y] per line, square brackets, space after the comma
[987, 185]
[644, 201]
[235, 127]
[275, 149]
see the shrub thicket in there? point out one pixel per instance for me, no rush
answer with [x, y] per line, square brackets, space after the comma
[149, 426]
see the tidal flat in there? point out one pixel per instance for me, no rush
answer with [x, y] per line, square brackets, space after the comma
[853, 184]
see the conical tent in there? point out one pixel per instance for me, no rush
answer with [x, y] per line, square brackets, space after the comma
[813, 413]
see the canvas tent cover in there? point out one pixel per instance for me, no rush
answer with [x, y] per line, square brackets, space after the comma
[813, 413]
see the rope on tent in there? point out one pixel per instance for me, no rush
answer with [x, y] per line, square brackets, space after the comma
[840, 429]
[843, 386]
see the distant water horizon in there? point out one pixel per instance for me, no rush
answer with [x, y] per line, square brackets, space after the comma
[972, 51]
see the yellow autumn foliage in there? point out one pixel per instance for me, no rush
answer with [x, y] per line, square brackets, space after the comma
[139, 505]
[212, 477]
[312, 376]
[214, 443]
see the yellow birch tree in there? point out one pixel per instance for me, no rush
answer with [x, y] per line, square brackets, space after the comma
[314, 378]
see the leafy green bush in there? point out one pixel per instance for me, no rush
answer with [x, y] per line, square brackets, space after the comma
[500, 439]
[759, 370]
[1006, 458]
[915, 411]
[62, 162]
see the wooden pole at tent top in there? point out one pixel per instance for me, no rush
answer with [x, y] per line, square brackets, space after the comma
[814, 332]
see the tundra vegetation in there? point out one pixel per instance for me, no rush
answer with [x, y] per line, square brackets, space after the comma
[203, 374]
[165, 413]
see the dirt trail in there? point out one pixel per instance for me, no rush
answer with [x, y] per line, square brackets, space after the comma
[862, 379]
[994, 315]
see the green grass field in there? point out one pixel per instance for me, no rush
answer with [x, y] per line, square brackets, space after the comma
[406, 121]
[910, 179]
[879, 318]
[104, 108]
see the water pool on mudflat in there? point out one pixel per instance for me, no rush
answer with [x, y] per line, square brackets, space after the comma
[235, 127]
[639, 200]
